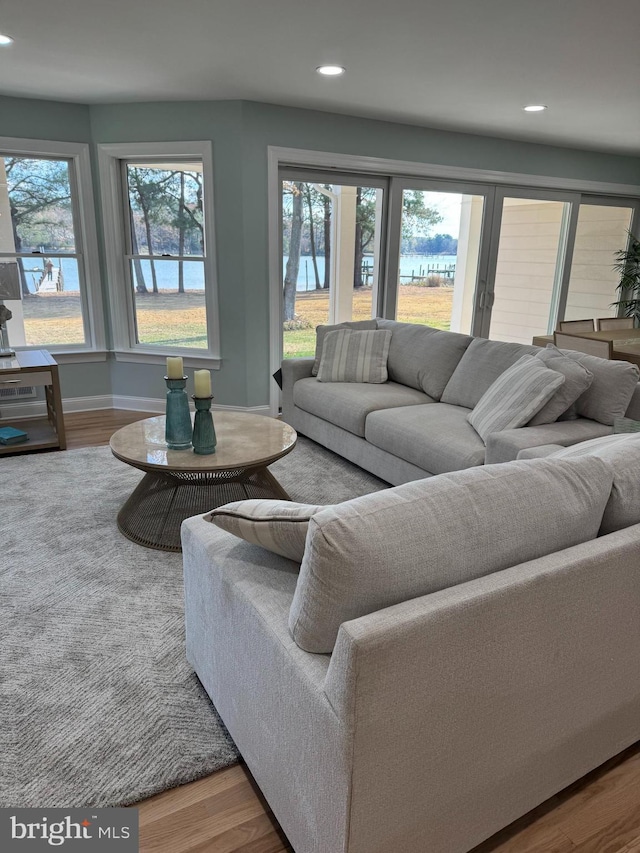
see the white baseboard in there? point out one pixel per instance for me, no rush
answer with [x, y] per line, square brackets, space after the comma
[37, 408]
[153, 404]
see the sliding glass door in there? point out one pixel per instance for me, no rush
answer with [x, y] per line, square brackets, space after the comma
[506, 263]
[435, 257]
[331, 229]
[551, 258]
[528, 266]
[601, 231]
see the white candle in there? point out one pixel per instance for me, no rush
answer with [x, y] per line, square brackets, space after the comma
[175, 369]
[202, 383]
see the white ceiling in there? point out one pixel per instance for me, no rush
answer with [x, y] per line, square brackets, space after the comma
[467, 65]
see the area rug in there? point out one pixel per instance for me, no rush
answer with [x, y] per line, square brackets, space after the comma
[98, 705]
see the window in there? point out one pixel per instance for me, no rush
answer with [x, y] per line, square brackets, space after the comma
[43, 264]
[160, 248]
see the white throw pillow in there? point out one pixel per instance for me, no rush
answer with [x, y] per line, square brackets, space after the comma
[622, 452]
[378, 550]
[278, 526]
[515, 396]
[349, 356]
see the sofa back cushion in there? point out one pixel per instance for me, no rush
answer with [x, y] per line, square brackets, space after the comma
[414, 539]
[321, 331]
[577, 380]
[622, 452]
[611, 390]
[479, 368]
[422, 357]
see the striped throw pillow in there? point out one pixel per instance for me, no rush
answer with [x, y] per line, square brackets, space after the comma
[278, 526]
[349, 356]
[321, 331]
[515, 396]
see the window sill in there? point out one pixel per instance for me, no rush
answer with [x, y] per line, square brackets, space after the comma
[135, 356]
[70, 356]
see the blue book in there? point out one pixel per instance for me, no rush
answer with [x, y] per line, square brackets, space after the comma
[11, 435]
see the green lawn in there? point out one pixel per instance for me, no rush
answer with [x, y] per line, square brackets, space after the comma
[428, 305]
[173, 319]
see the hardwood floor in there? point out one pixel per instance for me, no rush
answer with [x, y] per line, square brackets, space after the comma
[225, 812]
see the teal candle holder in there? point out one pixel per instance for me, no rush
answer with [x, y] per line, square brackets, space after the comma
[204, 433]
[177, 433]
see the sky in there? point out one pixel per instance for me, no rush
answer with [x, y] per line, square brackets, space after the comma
[448, 205]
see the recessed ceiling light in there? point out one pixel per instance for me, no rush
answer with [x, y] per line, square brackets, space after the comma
[534, 108]
[330, 70]
[5, 40]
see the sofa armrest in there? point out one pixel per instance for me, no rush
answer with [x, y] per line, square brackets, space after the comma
[292, 370]
[505, 446]
[633, 409]
[483, 700]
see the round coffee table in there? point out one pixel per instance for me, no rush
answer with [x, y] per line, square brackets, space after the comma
[180, 483]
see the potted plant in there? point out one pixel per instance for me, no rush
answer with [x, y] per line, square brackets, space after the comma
[628, 266]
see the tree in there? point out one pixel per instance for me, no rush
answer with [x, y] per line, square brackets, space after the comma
[166, 217]
[40, 205]
[627, 265]
[326, 221]
[293, 261]
[417, 219]
[310, 192]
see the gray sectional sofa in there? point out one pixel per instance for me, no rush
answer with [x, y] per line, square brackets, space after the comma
[442, 656]
[415, 425]
[450, 652]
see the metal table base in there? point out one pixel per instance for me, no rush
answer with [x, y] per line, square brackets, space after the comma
[154, 512]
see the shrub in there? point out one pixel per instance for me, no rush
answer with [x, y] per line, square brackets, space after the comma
[297, 324]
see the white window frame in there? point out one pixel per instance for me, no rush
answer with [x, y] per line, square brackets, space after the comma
[77, 153]
[121, 299]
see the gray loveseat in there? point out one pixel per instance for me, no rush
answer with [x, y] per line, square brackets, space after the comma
[415, 425]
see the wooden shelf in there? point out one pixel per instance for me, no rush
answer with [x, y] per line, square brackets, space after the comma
[42, 435]
[38, 368]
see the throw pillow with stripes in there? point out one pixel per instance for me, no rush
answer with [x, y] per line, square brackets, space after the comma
[515, 397]
[278, 526]
[349, 356]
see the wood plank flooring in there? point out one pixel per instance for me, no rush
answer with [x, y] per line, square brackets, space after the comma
[225, 812]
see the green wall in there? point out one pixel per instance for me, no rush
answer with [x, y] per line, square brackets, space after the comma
[240, 132]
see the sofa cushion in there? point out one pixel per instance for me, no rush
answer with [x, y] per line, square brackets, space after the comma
[321, 331]
[278, 526]
[622, 452]
[611, 390]
[349, 356]
[422, 357]
[479, 368]
[436, 438]
[411, 540]
[515, 396]
[347, 405]
[577, 380]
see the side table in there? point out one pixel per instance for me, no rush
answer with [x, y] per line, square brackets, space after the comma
[34, 368]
